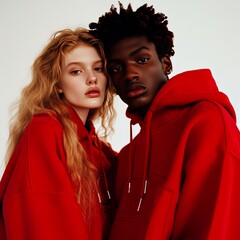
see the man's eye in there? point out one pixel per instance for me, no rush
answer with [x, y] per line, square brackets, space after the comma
[142, 60]
[115, 68]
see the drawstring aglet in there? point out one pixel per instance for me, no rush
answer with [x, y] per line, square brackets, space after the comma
[129, 187]
[144, 192]
[145, 187]
[108, 193]
[139, 204]
[99, 198]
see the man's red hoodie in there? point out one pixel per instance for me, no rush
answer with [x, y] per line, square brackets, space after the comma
[179, 177]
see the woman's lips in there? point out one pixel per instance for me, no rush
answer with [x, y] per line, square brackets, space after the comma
[93, 92]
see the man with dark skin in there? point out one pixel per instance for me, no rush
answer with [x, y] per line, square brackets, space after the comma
[179, 177]
[138, 94]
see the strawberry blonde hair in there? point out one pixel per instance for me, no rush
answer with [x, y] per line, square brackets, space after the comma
[41, 96]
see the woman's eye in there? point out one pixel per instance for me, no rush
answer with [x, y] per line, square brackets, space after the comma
[75, 72]
[98, 69]
[142, 60]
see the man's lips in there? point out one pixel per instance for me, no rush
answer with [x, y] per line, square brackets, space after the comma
[93, 92]
[135, 91]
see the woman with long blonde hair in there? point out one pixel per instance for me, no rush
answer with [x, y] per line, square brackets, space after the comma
[59, 172]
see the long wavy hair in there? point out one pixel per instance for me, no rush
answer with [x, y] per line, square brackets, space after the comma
[41, 96]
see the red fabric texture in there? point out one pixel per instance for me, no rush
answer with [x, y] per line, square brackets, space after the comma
[184, 164]
[36, 195]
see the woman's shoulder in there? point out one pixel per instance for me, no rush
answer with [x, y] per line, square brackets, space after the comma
[45, 123]
[46, 118]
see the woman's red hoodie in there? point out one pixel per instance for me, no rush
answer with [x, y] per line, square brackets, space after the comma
[179, 177]
[36, 195]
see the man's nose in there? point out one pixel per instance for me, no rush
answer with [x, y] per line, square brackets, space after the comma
[132, 72]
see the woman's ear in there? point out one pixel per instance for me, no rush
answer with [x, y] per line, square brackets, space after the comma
[59, 90]
[166, 64]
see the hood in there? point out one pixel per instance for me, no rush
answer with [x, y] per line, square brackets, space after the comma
[186, 88]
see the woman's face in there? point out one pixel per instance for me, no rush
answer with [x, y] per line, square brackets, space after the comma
[83, 81]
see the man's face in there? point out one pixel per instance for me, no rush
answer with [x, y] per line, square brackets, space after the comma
[136, 71]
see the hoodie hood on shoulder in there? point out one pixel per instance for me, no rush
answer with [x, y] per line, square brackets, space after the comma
[186, 88]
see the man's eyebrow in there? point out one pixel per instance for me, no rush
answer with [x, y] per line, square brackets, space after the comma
[138, 50]
[131, 54]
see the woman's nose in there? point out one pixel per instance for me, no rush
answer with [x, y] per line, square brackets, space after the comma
[91, 78]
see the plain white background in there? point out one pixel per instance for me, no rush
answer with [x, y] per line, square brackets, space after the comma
[207, 35]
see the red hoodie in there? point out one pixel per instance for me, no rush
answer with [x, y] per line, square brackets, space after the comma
[36, 195]
[179, 177]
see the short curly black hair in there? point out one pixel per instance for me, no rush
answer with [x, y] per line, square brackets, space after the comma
[114, 26]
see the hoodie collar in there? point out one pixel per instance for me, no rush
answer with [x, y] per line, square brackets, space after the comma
[186, 88]
[84, 131]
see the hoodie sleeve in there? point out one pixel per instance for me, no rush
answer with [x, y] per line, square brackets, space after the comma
[39, 202]
[209, 200]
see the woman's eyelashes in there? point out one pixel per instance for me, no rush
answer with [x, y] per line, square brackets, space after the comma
[79, 71]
